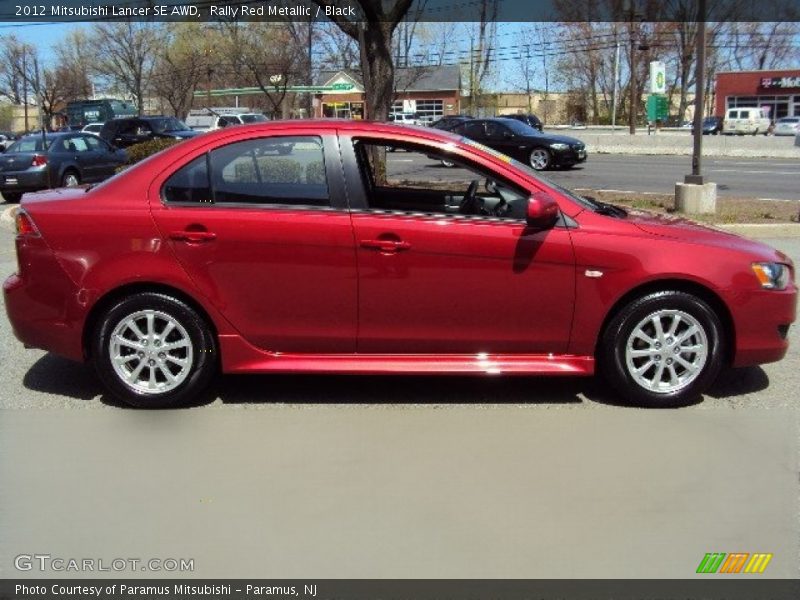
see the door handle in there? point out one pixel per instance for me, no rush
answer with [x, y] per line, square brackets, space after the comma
[193, 237]
[387, 246]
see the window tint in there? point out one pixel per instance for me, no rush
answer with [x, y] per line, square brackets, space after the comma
[93, 142]
[424, 186]
[496, 131]
[277, 170]
[190, 183]
[471, 129]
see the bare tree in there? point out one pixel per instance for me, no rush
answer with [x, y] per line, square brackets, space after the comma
[124, 54]
[374, 36]
[337, 50]
[12, 68]
[482, 39]
[74, 59]
[181, 65]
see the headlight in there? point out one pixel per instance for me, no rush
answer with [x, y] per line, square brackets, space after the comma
[772, 276]
[559, 146]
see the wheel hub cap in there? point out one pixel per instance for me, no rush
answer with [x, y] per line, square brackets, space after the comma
[151, 352]
[666, 351]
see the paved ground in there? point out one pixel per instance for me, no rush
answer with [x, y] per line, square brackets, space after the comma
[398, 477]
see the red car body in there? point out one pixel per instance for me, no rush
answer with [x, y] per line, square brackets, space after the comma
[352, 290]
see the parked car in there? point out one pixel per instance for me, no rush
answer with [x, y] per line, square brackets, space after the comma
[406, 118]
[743, 121]
[93, 128]
[526, 144]
[787, 126]
[712, 125]
[135, 130]
[531, 120]
[199, 259]
[60, 160]
[203, 120]
[6, 139]
[449, 122]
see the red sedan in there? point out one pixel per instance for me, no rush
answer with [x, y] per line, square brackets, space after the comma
[295, 247]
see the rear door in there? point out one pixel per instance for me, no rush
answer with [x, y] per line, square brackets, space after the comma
[266, 237]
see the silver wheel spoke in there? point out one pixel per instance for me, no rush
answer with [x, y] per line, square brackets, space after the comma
[134, 375]
[158, 370]
[664, 351]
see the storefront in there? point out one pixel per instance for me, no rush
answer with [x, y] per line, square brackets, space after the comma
[778, 92]
[430, 92]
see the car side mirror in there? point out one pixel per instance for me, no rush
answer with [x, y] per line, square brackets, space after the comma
[542, 211]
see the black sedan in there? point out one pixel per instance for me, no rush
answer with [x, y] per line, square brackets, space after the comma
[712, 125]
[526, 144]
[531, 120]
[59, 160]
[449, 122]
[128, 131]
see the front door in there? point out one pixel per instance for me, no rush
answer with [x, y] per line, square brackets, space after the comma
[261, 227]
[437, 277]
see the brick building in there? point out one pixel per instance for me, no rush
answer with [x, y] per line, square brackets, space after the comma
[432, 92]
[776, 91]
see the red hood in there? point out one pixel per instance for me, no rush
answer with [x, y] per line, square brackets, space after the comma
[683, 229]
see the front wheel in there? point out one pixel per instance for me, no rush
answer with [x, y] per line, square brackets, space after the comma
[540, 159]
[662, 350]
[152, 350]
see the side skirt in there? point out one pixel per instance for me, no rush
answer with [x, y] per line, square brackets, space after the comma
[238, 356]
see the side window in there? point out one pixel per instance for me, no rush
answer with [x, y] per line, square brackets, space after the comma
[415, 183]
[473, 129]
[496, 131]
[276, 170]
[190, 183]
[76, 144]
[93, 142]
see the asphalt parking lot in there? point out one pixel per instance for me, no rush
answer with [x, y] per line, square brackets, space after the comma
[293, 476]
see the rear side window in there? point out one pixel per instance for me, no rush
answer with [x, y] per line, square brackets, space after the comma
[265, 171]
[190, 183]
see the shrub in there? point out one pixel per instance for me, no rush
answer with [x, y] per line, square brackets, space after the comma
[139, 152]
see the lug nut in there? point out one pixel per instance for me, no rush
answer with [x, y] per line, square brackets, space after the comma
[161, 355]
[151, 362]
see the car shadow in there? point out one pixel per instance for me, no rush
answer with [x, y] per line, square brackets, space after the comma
[52, 374]
[735, 382]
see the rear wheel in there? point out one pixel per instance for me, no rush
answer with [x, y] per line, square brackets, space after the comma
[540, 159]
[154, 351]
[662, 350]
[70, 179]
[12, 197]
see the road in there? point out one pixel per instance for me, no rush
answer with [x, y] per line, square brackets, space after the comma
[735, 177]
[293, 476]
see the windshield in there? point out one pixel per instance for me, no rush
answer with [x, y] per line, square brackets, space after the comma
[519, 127]
[30, 144]
[710, 120]
[789, 120]
[168, 124]
[253, 118]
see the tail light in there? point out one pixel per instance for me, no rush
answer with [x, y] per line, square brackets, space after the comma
[25, 225]
[39, 160]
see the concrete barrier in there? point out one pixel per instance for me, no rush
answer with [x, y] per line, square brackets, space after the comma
[679, 142]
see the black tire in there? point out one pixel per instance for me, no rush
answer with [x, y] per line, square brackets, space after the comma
[70, 176]
[201, 367]
[613, 359]
[12, 197]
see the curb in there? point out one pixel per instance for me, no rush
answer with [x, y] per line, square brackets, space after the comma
[762, 230]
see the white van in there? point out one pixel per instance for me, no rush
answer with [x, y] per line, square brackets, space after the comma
[746, 120]
[209, 119]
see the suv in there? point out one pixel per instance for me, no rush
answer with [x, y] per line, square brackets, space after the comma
[135, 130]
[746, 120]
[406, 118]
[531, 120]
[208, 119]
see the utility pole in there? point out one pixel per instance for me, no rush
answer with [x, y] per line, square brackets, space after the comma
[616, 86]
[634, 108]
[310, 97]
[699, 97]
[25, 85]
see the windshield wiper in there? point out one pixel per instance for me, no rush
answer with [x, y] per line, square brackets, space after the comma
[604, 208]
